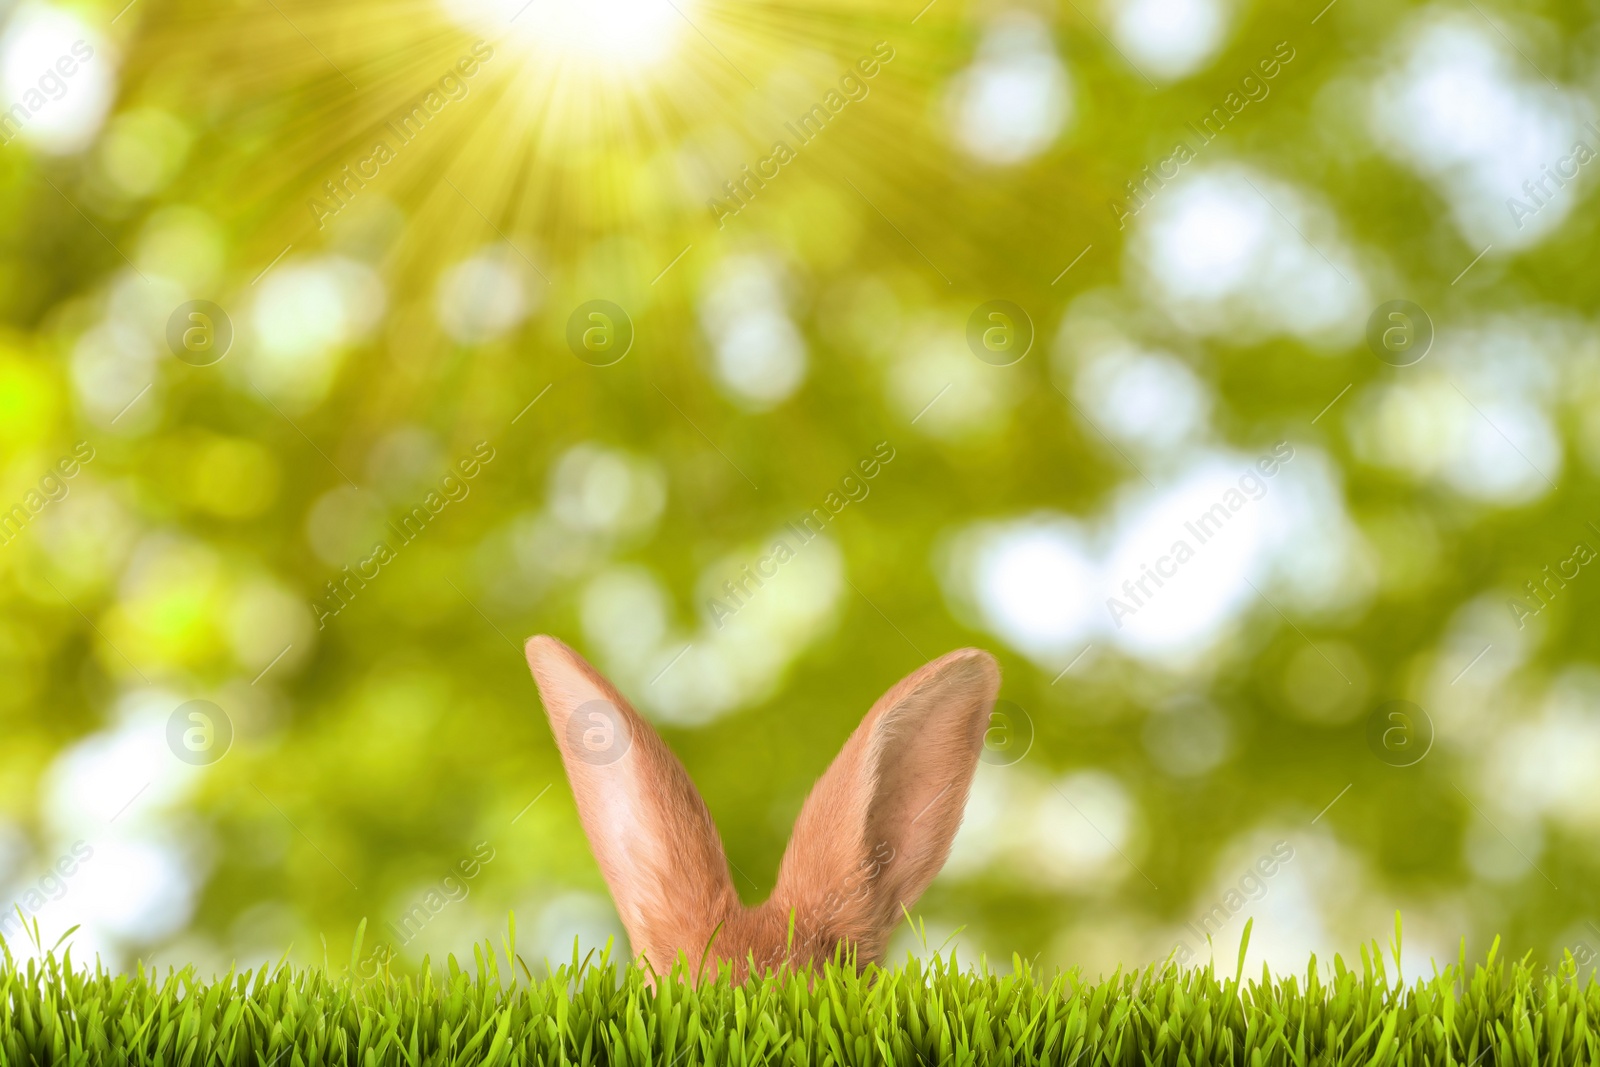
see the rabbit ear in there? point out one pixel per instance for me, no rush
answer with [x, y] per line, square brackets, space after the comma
[878, 825]
[647, 825]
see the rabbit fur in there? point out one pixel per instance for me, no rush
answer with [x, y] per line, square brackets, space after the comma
[873, 833]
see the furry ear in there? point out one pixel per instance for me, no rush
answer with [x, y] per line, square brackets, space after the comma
[877, 827]
[648, 827]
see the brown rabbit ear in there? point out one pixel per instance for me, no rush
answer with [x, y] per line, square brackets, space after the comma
[877, 827]
[647, 824]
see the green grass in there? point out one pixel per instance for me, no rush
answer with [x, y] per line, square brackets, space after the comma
[599, 1013]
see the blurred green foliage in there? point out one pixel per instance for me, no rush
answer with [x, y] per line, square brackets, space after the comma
[367, 363]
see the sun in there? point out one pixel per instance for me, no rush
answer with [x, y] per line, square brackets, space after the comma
[608, 40]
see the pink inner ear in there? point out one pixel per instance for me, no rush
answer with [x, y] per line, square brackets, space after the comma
[926, 752]
[878, 825]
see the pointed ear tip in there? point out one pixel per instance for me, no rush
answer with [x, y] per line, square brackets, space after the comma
[541, 649]
[539, 641]
[977, 659]
[534, 647]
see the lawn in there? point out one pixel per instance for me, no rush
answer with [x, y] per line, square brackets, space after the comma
[597, 1011]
